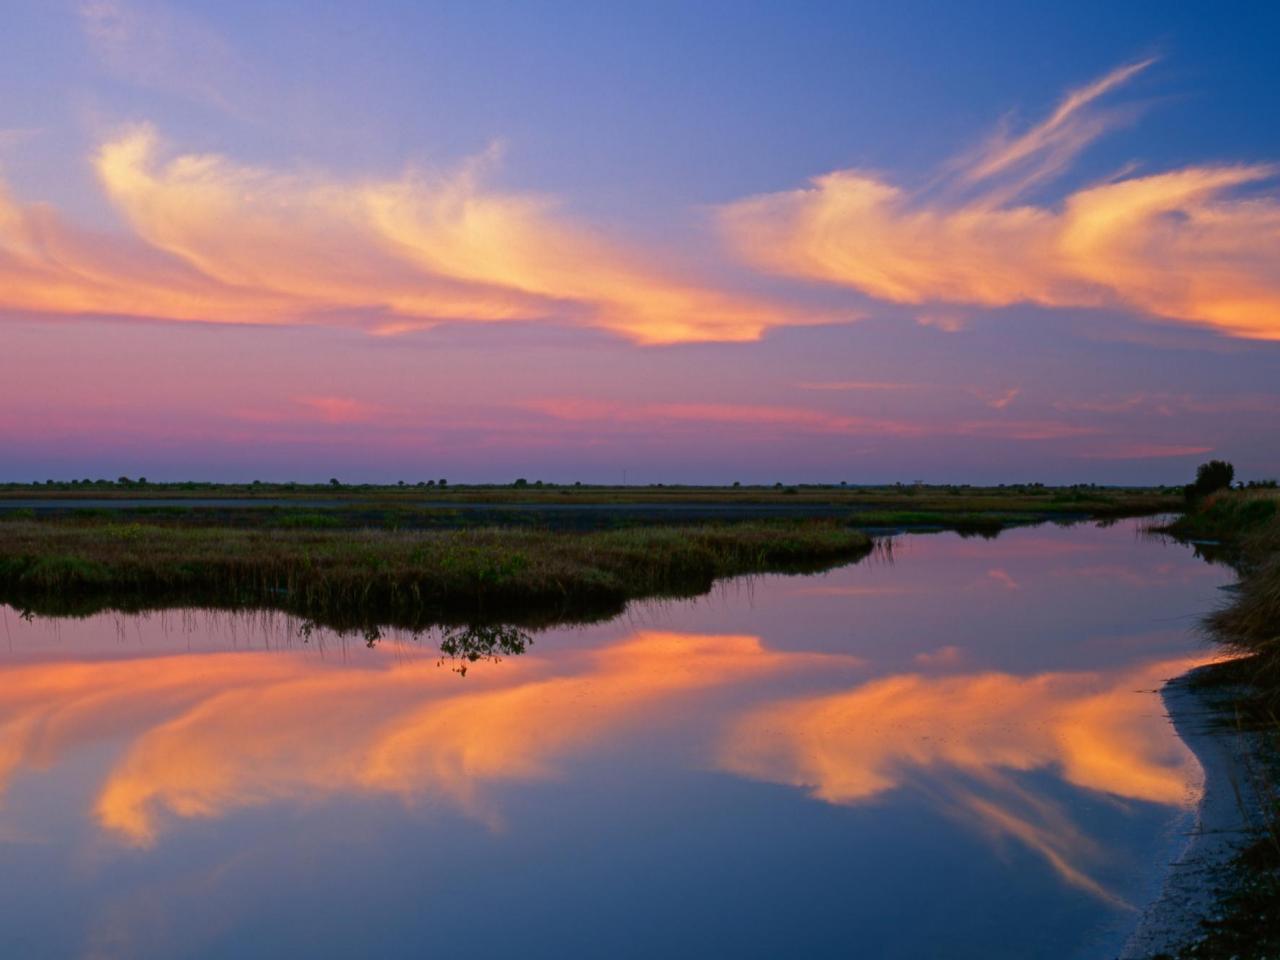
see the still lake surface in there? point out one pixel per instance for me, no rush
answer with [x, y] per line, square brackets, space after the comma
[960, 752]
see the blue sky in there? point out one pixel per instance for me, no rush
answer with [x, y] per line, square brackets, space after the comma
[643, 131]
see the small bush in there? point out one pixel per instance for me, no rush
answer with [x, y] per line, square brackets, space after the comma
[1210, 478]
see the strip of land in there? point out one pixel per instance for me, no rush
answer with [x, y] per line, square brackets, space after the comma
[1234, 708]
[949, 498]
[1230, 812]
[384, 556]
[885, 509]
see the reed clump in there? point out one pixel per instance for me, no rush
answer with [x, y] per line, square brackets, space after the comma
[1245, 526]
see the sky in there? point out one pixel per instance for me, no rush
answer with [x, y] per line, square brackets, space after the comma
[659, 242]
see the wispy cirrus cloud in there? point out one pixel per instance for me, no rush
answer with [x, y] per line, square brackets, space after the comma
[1195, 245]
[219, 241]
[1047, 148]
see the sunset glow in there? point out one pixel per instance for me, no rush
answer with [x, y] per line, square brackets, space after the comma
[404, 244]
[739, 478]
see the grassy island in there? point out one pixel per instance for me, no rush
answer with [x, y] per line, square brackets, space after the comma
[355, 578]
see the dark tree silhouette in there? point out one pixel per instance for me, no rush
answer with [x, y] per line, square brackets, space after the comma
[1211, 477]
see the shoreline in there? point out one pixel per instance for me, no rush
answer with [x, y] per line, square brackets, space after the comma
[1221, 825]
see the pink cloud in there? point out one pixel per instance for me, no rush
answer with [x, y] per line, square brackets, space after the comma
[343, 409]
[998, 401]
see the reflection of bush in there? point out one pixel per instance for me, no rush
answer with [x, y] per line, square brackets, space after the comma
[482, 642]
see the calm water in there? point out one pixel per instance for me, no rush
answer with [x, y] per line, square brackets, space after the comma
[956, 754]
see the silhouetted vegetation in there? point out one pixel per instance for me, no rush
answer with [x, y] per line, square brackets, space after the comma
[1210, 478]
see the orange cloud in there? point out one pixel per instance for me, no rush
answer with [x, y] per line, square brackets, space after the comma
[407, 729]
[219, 241]
[1183, 245]
[47, 708]
[1092, 729]
[48, 265]
[515, 732]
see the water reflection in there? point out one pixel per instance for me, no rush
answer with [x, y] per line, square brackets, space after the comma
[960, 738]
[489, 642]
[459, 645]
[876, 754]
[210, 733]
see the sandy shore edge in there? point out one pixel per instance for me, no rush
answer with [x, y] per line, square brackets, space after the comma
[1228, 807]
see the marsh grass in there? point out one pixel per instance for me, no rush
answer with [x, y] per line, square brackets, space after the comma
[348, 578]
[1246, 527]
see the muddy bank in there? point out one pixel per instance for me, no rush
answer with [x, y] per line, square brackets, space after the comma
[1225, 821]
